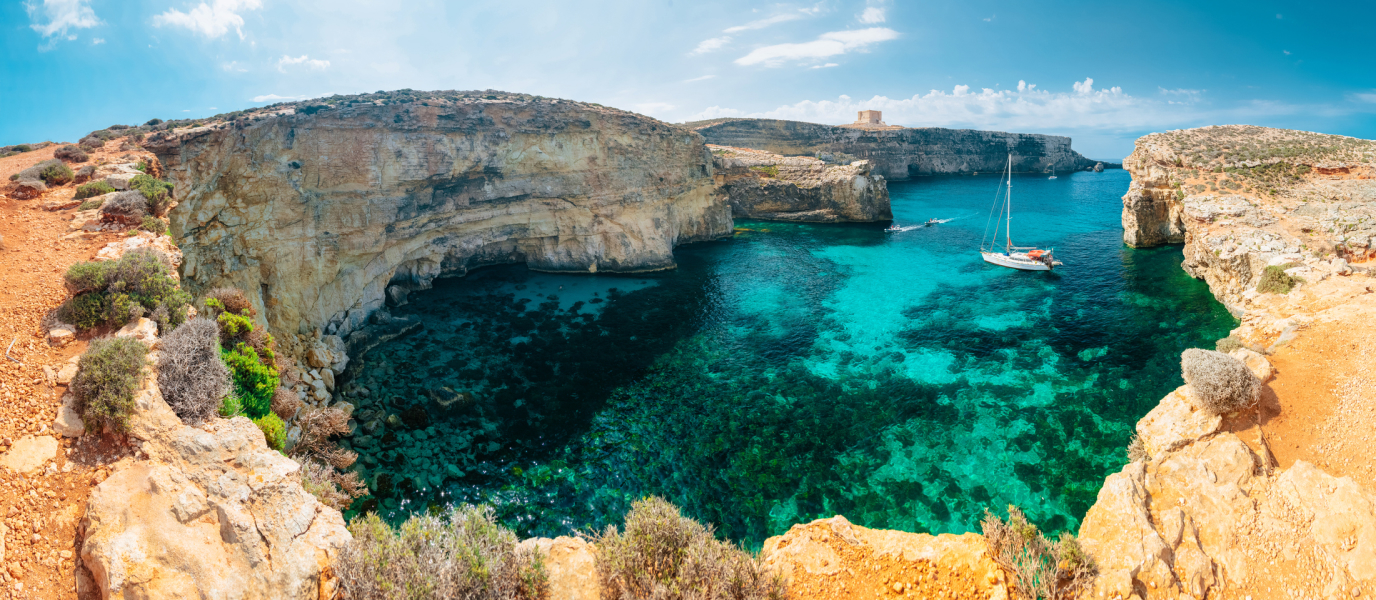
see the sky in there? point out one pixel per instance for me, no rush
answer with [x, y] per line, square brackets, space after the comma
[1103, 73]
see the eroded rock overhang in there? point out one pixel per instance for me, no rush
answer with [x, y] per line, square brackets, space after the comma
[316, 215]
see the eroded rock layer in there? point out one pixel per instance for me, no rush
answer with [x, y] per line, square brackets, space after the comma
[764, 185]
[901, 153]
[315, 215]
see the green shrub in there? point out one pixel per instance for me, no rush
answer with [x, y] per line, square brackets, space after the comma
[1039, 567]
[231, 407]
[1275, 281]
[93, 189]
[1228, 344]
[91, 205]
[84, 311]
[154, 224]
[332, 487]
[254, 382]
[157, 191]
[138, 283]
[88, 276]
[462, 554]
[274, 430]
[664, 555]
[142, 166]
[232, 326]
[107, 376]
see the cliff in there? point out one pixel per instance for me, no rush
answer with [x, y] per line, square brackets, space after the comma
[901, 153]
[1278, 498]
[764, 185]
[316, 209]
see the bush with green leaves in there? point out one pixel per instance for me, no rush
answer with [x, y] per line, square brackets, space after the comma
[139, 282]
[255, 382]
[193, 379]
[156, 191]
[231, 407]
[1040, 568]
[55, 172]
[463, 553]
[274, 430]
[71, 153]
[664, 555]
[1275, 281]
[93, 189]
[108, 375]
[154, 225]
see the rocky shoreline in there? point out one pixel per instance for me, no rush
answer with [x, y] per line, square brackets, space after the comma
[764, 185]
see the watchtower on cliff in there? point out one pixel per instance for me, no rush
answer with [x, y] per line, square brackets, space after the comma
[870, 118]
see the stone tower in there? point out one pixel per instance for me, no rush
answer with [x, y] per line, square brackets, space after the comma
[872, 118]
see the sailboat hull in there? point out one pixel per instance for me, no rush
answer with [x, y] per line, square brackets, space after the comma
[1015, 260]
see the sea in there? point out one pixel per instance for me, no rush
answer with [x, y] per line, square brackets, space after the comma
[796, 371]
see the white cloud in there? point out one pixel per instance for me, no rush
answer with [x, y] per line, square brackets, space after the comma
[97, 41]
[275, 98]
[1370, 97]
[61, 16]
[826, 66]
[234, 66]
[1008, 110]
[762, 23]
[303, 60]
[710, 44]
[990, 18]
[1023, 86]
[1186, 96]
[1084, 87]
[211, 20]
[829, 44]
[703, 78]
[1287, 52]
[872, 15]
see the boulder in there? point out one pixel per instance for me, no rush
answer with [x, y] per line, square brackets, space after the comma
[1256, 363]
[144, 330]
[835, 555]
[120, 181]
[68, 422]
[66, 373]
[571, 564]
[29, 453]
[1174, 422]
[61, 335]
[212, 513]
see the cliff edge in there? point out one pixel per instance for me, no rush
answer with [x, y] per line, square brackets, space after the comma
[316, 210]
[898, 152]
[764, 185]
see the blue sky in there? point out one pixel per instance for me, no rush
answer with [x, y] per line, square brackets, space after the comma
[1101, 72]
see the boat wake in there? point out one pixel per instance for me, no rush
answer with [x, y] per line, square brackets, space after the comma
[898, 229]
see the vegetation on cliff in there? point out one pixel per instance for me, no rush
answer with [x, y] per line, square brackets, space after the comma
[1040, 568]
[107, 376]
[116, 292]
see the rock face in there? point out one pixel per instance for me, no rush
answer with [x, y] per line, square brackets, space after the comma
[900, 153]
[571, 564]
[315, 215]
[209, 513]
[763, 185]
[833, 558]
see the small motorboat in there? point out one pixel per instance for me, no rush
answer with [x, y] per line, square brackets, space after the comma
[894, 228]
[930, 222]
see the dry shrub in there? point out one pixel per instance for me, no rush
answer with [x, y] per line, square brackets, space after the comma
[462, 554]
[125, 207]
[285, 402]
[1275, 281]
[71, 153]
[1221, 383]
[334, 488]
[1040, 568]
[1137, 451]
[666, 556]
[193, 379]
[233, 300]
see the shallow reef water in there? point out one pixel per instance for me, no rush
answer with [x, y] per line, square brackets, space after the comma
[794, 372]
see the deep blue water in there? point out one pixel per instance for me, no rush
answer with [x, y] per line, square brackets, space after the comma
[797, 371]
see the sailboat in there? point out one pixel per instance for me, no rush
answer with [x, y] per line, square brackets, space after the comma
[1053, 171]
[1025, 258]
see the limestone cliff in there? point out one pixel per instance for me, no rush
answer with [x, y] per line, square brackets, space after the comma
[316, 210]
[764, 185]
[900, 153]
[1207, 508]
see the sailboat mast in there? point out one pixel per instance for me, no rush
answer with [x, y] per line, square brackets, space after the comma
[1008, 228]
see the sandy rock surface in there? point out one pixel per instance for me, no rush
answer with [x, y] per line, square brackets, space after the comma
[571, 564]
[763, 185]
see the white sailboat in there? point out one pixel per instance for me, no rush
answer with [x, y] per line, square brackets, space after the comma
[1025, 258]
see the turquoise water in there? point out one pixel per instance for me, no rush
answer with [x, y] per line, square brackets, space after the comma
[797, 372]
